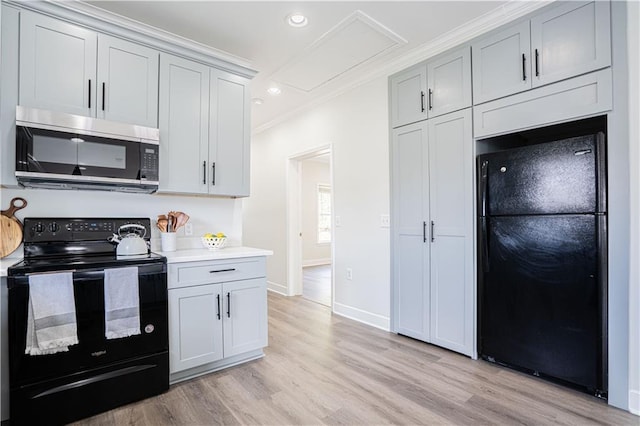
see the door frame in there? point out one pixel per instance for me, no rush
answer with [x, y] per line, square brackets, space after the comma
[294, 218]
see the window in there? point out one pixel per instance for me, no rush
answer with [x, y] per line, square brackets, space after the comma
[324, 214]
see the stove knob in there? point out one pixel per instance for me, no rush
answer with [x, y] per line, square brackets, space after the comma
[39, 228]
[54, 227]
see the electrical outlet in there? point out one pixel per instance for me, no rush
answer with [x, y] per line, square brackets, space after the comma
[384, 220]
[349, 274]
[336, 219]
[188, 229]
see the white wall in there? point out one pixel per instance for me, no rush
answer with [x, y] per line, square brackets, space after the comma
[633, 49]
[313, 174]
[356, 125]
[207, 214]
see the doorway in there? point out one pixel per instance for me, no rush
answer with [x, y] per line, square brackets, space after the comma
[310, 223]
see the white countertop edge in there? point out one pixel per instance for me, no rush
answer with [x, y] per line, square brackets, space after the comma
[194, 255]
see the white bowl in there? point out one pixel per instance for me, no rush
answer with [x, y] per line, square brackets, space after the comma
[214, 243]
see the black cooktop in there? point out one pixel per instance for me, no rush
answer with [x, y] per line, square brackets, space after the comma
[63, 263]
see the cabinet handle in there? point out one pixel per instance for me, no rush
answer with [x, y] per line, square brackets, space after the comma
[433, 235]
[422, 101]
[218, 299]
[524, 69]
[213, 173]
[89, 93]
[228, 305]
[537, 64]
[424, 232]
[430, 99]
[222, 270]
[103, 92]
[204, 172]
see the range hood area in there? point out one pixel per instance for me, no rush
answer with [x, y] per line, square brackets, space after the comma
[56, 150]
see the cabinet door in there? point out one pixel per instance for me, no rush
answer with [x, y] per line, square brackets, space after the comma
[501, 63]
[127, 82]
[452, 215]
[195, 326]
[449, 82]
[569, 40]
[408, 96]
[245, 316]
[57, 65]
[9, 93]
[184, 125]
[229, 131]
[410, 249]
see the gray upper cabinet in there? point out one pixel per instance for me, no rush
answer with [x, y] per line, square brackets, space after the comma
[571, 39]
[57, 65]
[229, 134]
[429, 89]
[127, 82]
[184, 125]
[68, 68]
[408, 96]
[204, 129]
[563, 41]
[449, 82]
[501, 63]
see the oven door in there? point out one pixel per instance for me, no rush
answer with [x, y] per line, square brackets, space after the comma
[93, 350]
[63, 155]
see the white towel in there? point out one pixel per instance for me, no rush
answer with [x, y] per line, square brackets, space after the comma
[51, 320]
[121, 302]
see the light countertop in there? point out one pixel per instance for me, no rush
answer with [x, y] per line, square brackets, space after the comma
[6, 262]
[192, 255]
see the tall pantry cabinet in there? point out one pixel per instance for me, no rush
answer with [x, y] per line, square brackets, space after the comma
[432, 226]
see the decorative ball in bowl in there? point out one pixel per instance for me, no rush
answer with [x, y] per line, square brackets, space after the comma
[214, 241]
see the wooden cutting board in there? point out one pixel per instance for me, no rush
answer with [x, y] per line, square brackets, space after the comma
[11, 228]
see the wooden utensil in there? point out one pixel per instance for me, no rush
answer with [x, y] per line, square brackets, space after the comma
[10, 228]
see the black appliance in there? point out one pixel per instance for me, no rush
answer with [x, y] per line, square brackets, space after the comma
[542, 262]
[96, 374]
[64, 151]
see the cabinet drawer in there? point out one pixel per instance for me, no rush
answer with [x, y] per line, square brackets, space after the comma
[217, 271]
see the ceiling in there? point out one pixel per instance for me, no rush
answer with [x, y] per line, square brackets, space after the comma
[343, 42]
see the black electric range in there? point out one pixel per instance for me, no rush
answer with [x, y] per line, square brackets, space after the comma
[97, 374]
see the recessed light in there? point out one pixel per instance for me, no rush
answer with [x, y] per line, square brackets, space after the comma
[274, 90]
[297, 20]
[257, 101]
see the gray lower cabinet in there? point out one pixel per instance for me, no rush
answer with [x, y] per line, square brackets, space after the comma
[562, 41]
[204, 128]
[432, 231]
[69, 68]
[217, 314]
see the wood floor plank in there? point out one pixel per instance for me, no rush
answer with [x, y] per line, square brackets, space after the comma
[321, 368]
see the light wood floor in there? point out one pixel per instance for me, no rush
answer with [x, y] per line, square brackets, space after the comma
[323, 369]
[316, 284]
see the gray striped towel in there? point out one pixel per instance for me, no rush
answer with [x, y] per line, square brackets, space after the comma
[121, 302]
[51, 318]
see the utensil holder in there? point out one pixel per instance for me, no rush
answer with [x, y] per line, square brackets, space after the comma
[168, 241]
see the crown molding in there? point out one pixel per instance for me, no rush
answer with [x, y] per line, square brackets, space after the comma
[505, 14]
[81, 13]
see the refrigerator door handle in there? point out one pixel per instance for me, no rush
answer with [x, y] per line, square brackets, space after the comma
[485, 244]
[483, 187]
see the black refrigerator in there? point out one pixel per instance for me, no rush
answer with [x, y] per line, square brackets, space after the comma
[542, 233]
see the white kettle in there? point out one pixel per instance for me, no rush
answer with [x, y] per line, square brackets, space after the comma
[131, 243]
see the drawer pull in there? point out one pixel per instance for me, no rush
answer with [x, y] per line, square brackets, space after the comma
[222, 270]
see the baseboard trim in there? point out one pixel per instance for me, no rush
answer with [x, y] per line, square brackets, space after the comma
[277, 288]
[634, 402]
[374, 320]
[316, 262]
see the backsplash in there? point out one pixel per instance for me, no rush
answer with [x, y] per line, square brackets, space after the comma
[207, 214]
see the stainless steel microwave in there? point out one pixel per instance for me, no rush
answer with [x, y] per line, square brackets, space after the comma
[64, 151]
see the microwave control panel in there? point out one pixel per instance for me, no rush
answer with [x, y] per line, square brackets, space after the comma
[149, 162]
